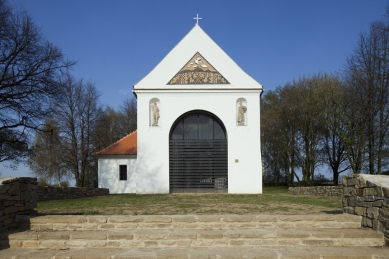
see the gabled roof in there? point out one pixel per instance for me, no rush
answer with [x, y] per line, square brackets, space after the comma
[196, 41]
[124, 146]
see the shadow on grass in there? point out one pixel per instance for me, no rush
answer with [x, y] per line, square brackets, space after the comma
[333, 211]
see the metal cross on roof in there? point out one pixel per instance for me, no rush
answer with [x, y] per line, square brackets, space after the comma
[197, 18]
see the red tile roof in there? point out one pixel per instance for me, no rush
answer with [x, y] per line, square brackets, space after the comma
[125, 146]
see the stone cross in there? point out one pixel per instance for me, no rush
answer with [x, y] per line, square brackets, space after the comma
[197, 18]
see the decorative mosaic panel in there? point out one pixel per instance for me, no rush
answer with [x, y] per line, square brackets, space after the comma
[198, 71]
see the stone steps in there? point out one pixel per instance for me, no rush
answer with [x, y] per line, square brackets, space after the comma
[208, 222]
[162, 238]
[200, 253]
[193, 236]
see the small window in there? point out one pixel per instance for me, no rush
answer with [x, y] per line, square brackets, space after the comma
[123, 172]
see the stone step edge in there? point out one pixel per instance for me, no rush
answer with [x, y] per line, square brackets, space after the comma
[186, 218]
[64, 239]
[205, 226]
[188, 222]
[197, 253]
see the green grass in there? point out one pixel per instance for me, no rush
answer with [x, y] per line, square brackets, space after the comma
[273, 200]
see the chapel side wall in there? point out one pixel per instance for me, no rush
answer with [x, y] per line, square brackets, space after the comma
[108, 174]
[245, 176]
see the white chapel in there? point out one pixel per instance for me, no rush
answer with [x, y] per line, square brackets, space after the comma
[198, 127]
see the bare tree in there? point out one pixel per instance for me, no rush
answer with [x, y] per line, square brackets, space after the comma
[128, 112]
[76, 113]
[46, 156]
[29, 66]
[331, 104]
[367, 77]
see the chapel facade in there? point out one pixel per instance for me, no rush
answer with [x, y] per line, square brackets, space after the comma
[198, 127]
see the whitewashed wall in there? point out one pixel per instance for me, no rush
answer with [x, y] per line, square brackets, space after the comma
[109, 174]
[244, 144]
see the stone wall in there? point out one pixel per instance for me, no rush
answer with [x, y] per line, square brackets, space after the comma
[47, 193]
[368, 196]
[336, 191]
[17, 196]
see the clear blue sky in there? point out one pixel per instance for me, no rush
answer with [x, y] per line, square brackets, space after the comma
[116, 43]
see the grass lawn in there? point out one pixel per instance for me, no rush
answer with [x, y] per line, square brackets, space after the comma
[274, 200]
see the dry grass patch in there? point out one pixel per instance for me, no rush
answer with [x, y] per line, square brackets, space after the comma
[274, 200]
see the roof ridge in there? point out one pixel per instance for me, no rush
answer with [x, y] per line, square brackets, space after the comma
[96, 153]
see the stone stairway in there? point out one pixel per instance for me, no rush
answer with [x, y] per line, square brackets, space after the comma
[193, 236]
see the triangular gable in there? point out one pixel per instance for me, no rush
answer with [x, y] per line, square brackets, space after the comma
[197, 41]
[124, 146]
[198, 71]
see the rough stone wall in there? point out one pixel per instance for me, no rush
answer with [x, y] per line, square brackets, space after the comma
[336, 191]
[17, 196]
[47, 193]
[368, 196]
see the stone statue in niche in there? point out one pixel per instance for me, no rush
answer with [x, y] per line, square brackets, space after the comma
[155, 114]
[241, 111]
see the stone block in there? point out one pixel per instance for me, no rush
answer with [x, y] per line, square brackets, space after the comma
[14, 190]
[123, 225]
[373, 212]
[11, 209]
[365, 204]
[377, 203]
[88, 235]
[385, 202]
[360, 211]
[370, 184]
[236, 218]
[31, 205]
[365, 198]
[4, 188]
[123, 219]
[351, 181]
[366, 222]
[9, 203]
[318, 242]
[25, 196]
[211, 235]
[151, 236]
[344, 202]
[8, 221]
[53, 236]
[384, 215]
[186, 219]
[208, 218]
[23, 187]
[67, 219]
[378, 191]
[385, 191]
[344, 182]
[118, 236]
[368, 192]
[379, 226]
[158, 219]
[53, 244]
[5, 197]
[352, 201]
[361, 182]
[30, 244]
[97, 219]
[349, 191]
[349, 210]
[359, 191]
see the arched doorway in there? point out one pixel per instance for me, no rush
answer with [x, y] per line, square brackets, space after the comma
[198, 154]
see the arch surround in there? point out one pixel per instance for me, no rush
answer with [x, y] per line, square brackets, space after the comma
[198, 153]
